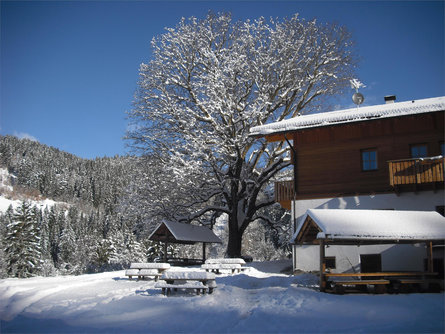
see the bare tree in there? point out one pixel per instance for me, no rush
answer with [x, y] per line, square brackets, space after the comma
[208, 82]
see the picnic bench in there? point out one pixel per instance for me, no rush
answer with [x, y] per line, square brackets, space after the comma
[233, 264]
[381, 281]
[142, 270]
[190, 280]
[184, 262]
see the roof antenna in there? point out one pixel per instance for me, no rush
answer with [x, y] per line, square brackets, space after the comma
[357, 98]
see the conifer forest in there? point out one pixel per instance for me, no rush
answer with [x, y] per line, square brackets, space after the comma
[102, 215]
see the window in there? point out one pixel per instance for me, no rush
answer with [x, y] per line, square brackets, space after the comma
[419, 151]
[330, 262]
[370, 263]
[369, 159]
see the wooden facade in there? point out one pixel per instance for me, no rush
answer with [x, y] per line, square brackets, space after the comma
[329, 158]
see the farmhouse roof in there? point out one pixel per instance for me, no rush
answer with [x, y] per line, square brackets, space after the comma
[173, 232]
[351, 115]
[369, 226]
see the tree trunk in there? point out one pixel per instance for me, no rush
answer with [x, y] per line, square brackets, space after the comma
[235, 238]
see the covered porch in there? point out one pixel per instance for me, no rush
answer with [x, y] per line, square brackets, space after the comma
[325, 227]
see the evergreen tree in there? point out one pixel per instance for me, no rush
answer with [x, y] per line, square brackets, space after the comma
[22, 241]
[5, 219]
[68, 249]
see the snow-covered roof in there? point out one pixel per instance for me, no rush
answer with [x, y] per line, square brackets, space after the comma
[352, 115]
[183, 233]
[370, 225]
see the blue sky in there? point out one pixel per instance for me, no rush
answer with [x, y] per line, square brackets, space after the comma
[69, 70]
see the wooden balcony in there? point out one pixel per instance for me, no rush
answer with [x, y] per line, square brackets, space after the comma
[404, 175]
[284, 193]
[420, 172]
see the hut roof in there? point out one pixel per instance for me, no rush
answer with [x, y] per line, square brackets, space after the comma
[173, 232]
[369, 226]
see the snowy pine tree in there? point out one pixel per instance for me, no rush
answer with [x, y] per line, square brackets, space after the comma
[22, 241]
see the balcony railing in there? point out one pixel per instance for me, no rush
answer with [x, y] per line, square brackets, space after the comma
[416, 171]
[284, 191]
[405, 175]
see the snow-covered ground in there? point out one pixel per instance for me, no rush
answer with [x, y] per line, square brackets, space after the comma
[7, 188]
[41, 204]
[261, 300]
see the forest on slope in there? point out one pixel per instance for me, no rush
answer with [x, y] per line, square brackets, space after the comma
[102, 216]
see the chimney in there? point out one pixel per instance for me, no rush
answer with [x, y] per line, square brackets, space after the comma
[390, 99]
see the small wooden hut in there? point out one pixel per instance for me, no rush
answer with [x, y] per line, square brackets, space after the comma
[370, 227]
[179, 233]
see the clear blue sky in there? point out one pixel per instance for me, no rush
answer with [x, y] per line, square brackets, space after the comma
[69, 69]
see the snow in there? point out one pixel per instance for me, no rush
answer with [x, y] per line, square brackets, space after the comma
[149, 265]
[187, 232]
[6, 201]
[377, 224]
[352, 115]
[187, 275]
[225, 261]
[5, 178]
[261, 300]
[41, 204]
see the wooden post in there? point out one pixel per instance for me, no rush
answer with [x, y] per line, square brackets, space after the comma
[165, 251]
[322, 267]
[203, 252]
[294, 162]
[429, 254]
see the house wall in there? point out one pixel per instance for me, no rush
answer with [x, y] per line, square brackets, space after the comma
[394, 257]
[329, 158]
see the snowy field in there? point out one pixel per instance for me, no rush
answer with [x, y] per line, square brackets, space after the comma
[261, 300]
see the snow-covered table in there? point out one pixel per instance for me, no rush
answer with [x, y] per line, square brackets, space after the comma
[199, 280]
[233, 264]
[142, 270]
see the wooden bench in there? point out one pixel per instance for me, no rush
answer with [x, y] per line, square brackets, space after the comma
[199, 280]
[380, 280]
[131, 272]
[215, 267]
[379, 285]
[184, 262]
[143, 270]
[232, 264]
[168, 287]
[417, 285]
[381, 274]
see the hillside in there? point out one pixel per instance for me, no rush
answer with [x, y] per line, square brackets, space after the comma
[95, 215]
[75, 205]
[49, 172]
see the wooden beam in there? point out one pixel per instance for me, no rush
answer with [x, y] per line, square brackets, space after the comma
[322, 267]
[429, 250]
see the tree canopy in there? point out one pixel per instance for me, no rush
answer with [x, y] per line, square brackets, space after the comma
[207, 83]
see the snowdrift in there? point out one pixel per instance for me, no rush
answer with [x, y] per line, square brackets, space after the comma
[261, 300]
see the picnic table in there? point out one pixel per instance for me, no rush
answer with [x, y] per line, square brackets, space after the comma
[200, 281]
[142, 270]
[233, 264]
[381, 280]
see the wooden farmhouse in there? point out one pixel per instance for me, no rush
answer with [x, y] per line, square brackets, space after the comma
[383, 157]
